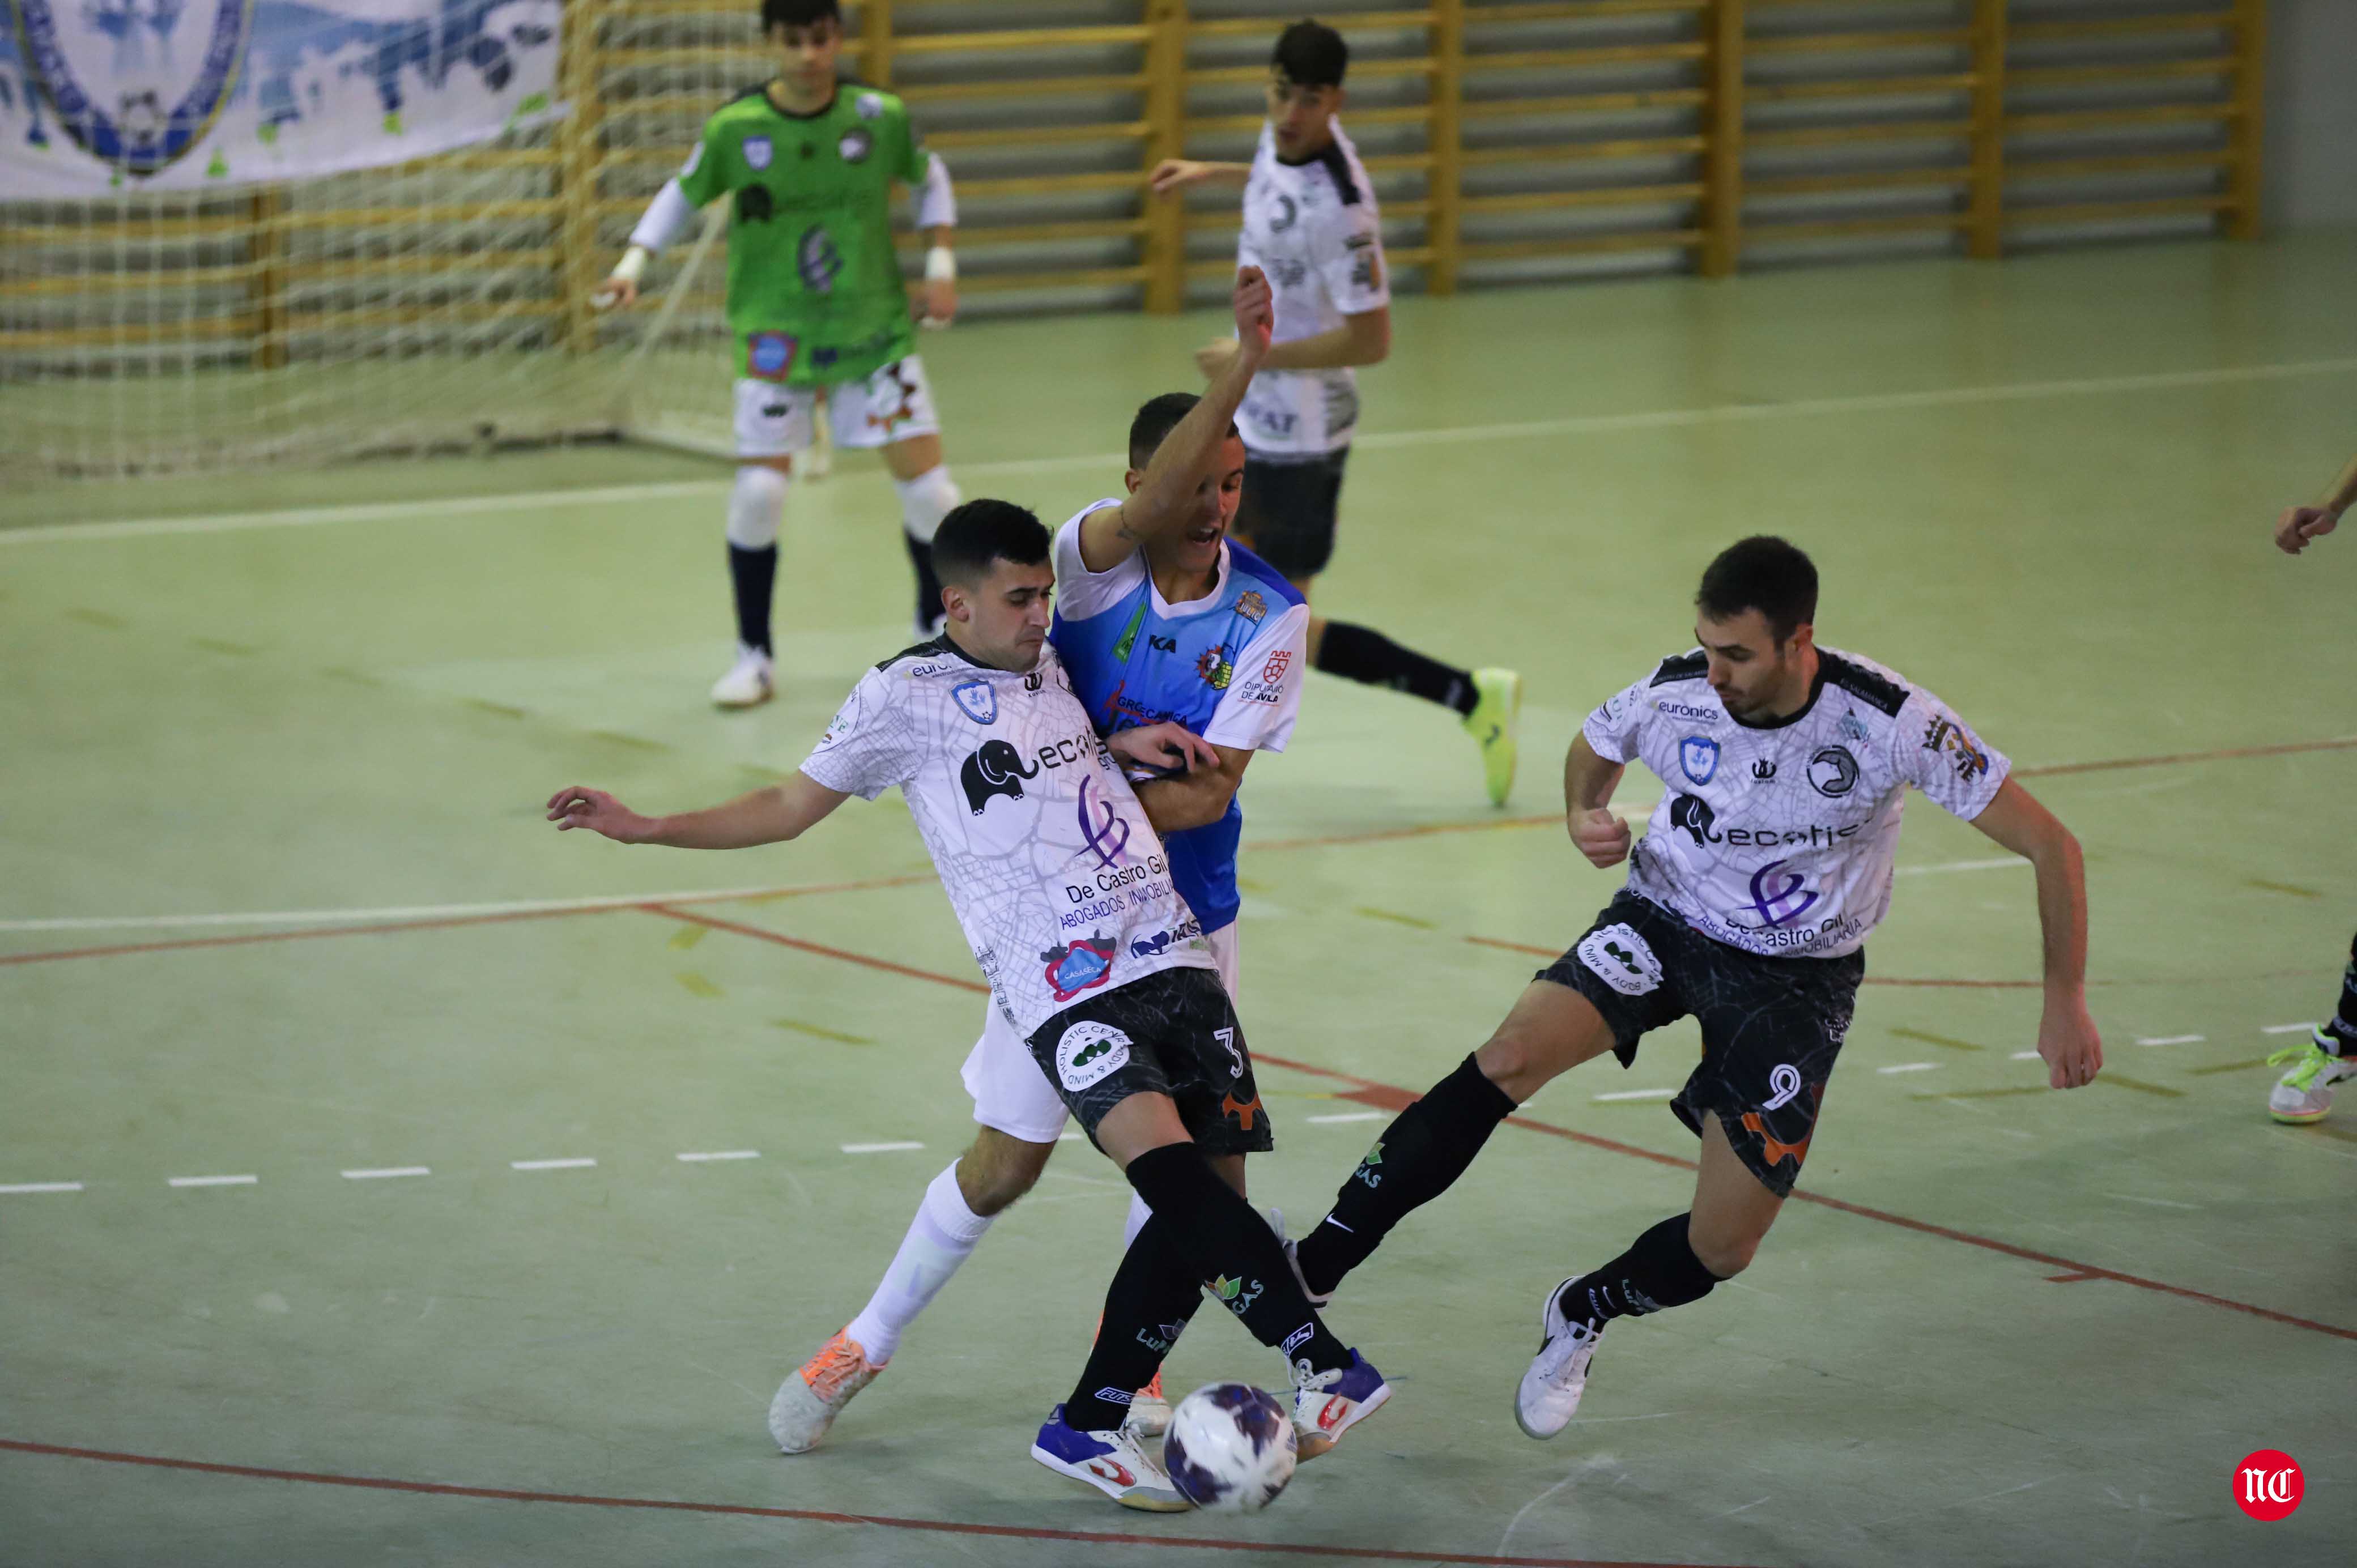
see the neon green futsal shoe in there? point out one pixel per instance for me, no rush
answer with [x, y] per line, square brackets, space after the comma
[2305, 1093]
[1491, 723]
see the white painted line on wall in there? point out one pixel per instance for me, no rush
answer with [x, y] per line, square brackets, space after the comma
[1346, 1116]
[26, 1187]
[572, 1164]
[387, 1174]
[214, 1180]
[721, 1154]
[878, 1148]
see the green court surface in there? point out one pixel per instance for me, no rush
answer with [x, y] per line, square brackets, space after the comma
[276, 902]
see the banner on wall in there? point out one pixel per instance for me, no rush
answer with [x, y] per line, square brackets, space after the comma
[101, 97]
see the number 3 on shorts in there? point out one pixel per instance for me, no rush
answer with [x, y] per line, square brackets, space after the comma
[1228, 1038]
[1619, 958]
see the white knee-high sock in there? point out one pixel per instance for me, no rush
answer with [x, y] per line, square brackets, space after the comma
[941, 1238]
[925, 500]
[757, 504]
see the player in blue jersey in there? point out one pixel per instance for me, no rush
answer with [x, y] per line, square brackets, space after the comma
[1159, 617]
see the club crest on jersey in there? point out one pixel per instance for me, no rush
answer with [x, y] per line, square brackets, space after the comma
[1698, 756]
[1076, 967]
[1090, 1053]
[855, 145]
[760, 152]
[868, 106]
[1215, 669]
[166, 95]
[768, 356]
[976, 701]
[1833, 772]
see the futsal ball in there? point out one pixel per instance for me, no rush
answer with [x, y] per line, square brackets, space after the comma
[1230, 1447]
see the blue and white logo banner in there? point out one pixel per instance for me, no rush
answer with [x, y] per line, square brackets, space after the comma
[100, 96]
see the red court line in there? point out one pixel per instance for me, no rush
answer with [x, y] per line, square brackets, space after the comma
[818, 1516]
[2057, 770]
[1387, 1097]
[819, 948]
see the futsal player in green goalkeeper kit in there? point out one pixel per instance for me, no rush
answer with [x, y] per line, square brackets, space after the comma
[815, 302]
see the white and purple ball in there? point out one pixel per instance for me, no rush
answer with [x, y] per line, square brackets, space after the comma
[1230, 1448]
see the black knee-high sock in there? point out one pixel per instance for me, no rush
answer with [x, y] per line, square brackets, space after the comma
[1232, 1247]
[1362, 654]
[755, 574]
[2341, 1027]
[929, 587]
[1426, 1147]
[1659, 1270]
[1153, 1295]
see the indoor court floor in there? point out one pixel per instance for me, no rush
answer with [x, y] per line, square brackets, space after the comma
[277, 904]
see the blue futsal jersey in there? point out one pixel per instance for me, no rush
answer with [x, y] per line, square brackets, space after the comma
[1229, 666]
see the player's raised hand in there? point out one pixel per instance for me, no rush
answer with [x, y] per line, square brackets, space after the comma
[2069, 1042]
[1176, 173]
[617, 293]
[2299, 524]
[1164, 748]
[577, 806]
[1256, 308]
[1602, 837]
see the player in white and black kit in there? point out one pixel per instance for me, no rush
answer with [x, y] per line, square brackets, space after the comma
[1311, 224]
[1748, 900]
[1020, 801]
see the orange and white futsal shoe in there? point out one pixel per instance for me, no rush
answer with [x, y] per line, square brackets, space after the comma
[814, 1394]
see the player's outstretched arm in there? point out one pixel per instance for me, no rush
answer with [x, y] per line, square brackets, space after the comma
[774, 815]
[666, 215]
[2301, 524]
[1160, 504]
[1588, 784]
[2067, 1037]
[1173, 175]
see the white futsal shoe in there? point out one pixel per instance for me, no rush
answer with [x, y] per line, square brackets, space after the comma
[749, 682]
[1549, 1394]
[1120, 1463]
[2305, 1093]
[815, 1393]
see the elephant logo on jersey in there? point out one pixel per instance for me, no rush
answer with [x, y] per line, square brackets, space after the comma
[1090, 1053]
[1080, 966]
[817, 260]
[997, 770]
[1698, 754]
[1693, 813]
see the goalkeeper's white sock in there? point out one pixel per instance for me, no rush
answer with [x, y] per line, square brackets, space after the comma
[924, 502]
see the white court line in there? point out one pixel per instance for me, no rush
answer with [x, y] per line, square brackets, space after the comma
[2173, 1041]
[1574, 425]
[2026, 1057]
[1071, 1137]
[1996, 865]
[722, 1155]
[572, 1164]
[878, 1148]
[387, 1174]
[1906, 1067]
[2289, 1028]
[1639, 1094]
[214, 1180]
[1346, 1116]
[388, 912]
[41, 1186]
[2156, 1202]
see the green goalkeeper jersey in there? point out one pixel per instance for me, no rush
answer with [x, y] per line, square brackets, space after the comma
[814, 290]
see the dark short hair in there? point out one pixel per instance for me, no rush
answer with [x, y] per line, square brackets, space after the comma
[1311, 54]
[798, 13]
[981, 531]
[1157, 418]
[1762, 573]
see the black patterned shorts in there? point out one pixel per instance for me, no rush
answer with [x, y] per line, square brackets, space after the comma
[1286, 515]
[1771, 1026]
[1173, 1033]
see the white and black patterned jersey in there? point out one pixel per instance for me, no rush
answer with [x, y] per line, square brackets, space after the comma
[1314, 230]
[1057, 877]
[1780, 839]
